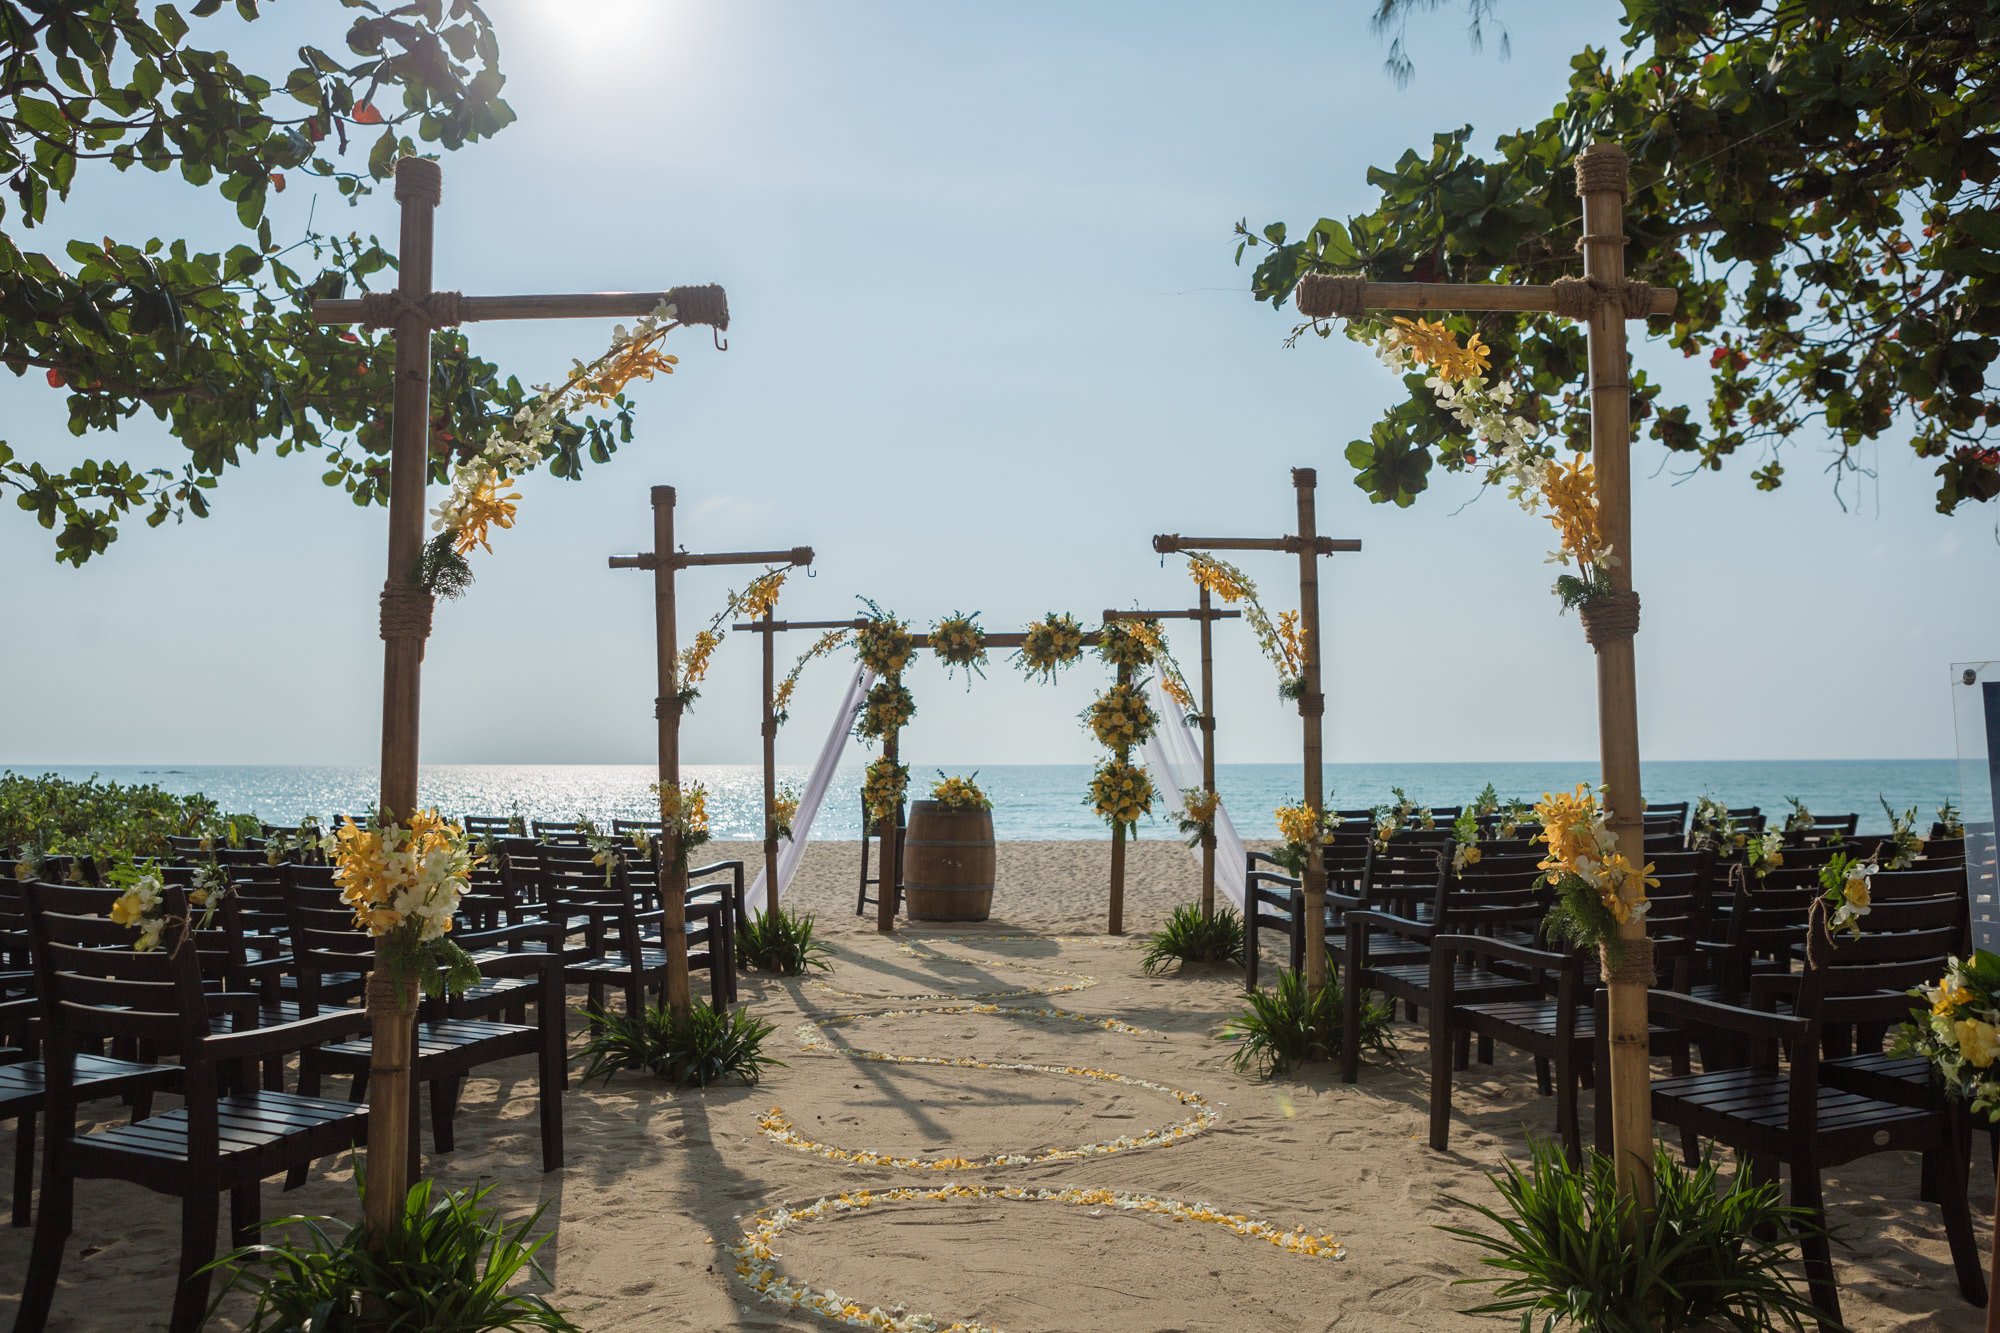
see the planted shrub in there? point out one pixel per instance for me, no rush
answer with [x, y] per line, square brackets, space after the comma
[1191, 938]
[1712, 1255]
[782, 942]
[446, 1268]
[709, 1046]
[1291, 1026]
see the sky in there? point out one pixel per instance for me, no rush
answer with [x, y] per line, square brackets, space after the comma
[987, 339]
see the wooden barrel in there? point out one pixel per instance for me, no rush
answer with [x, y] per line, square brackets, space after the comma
[948, 863]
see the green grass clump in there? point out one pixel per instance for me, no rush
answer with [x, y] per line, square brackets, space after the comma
[782, 942]
[446, 1268]
[709, 1046]
[1191, 938]
[1291, 1026]
[1712, 1255]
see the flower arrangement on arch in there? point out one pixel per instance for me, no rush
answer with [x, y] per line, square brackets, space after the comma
[1127, 643]
[1299, 827]
[480, 499]
[784, 811]
[758, 596]
[1846, 882]
[404, 883]
[1121, 717]
[883, 787]
[883, 644]
[1121, 791]
[888, 708]
[958, 641]
[1281, 641]
[1050, 644]
[956, 793]
[1597, 888]
[1960, 1031]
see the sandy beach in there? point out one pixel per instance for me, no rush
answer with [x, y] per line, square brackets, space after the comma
[1033, 1038]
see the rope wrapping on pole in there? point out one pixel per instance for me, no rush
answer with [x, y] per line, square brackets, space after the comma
[391, 309]
[1329, 296]
[1610, 617]
[406, 611]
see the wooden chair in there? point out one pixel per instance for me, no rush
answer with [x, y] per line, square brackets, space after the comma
[489, 826]
[567, 832]
[1270, 902]
[1787, 1115]
[1824, 829]
[225, 1137]
[328, 949]
[614, 949]
[862, 900]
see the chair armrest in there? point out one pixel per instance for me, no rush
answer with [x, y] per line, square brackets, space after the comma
[543, 932]
[1481, 945]
[1728, 1017]
[1388, 922]
[720, 867]
[279, 1038]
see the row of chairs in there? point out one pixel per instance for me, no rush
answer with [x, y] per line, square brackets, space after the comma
[272, 985]
[1788, 1027]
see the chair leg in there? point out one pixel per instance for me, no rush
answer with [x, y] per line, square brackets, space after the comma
[1461, 1052]
[199, 1215]
[1543, 1083]
[1567, 1128]
[24, 1168]
[549, 1087]
[246, 1214]
[1441, 1070]
[1948, 1177]
[1485, 1050]
[444, 1112]
[1813, 1245]
[45, 1262]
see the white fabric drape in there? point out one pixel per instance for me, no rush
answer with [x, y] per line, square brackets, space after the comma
[793, 849]
[1173, 756]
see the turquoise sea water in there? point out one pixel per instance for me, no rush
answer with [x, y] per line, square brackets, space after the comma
[1033, 800]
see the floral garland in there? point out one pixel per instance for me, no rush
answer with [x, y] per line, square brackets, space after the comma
[1960, 1035]
[1518, 453]
[1281, 641]
[888, 708]
[1904, 844]
[958, 641]
[404, 885]
[683, 817]
[1050, 644]
[1597, 888]
[754, 1255]
[1121, 791]
[956, 793]
[781, 698]
[1845, 880]
[1172, 680]
[479, 499]
[883, 787]
[758, 597]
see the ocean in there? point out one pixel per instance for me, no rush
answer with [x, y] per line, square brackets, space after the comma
[1032, 801]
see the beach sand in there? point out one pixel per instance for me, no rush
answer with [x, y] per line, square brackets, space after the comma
[659, 1182]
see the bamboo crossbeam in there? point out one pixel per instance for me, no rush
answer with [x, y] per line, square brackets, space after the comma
[1482, 296]
[1170, 543]
[798, 555]
[1211, 614]
[780, 626]
[557, 305]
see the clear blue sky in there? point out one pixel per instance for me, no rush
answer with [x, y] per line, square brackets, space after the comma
[988, 340]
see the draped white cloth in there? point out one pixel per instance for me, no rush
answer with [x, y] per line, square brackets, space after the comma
[1173, 757]
[793, 849]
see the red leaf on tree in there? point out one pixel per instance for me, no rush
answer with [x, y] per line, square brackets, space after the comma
[55, 378]
[366, 114]
[278, 181]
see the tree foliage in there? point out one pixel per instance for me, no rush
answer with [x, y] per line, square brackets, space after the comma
[219, 345]
[1821, 183]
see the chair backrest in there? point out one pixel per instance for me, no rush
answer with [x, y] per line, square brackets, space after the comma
[1491, 865]
[1945, 851]
[566, 831]
[1920, 881]
[575, 883]
[1868, 978]
[96, 987]
[488, 826]
[1824, 829]
[325, 940]
[1404, 872]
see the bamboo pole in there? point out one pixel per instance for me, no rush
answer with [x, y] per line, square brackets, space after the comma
[1488, 296]
[667, 709]
[1601, 180]
[392, 1003]
[1312, 707]
[770, 769]
[1207, 750]
[892, 854]
[700, 306]
[1116, 925]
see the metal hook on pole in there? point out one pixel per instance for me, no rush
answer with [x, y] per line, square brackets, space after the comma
[721, 343]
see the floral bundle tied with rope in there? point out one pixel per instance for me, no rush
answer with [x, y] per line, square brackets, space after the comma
[1300, 828]
[143, 903]
[1597, 888]
[1959, 1031]
[1197, 817]
[1121, 792]
[958, 642]
[883, 644]
[1121, 718]
[404, 884]
[888, 708]
[683, 817]
[1846, 884]
[883, 787]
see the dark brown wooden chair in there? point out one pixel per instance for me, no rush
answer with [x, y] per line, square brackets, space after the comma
[1782, 1113]
[227, 1136]
[325, 944]
[862, 899]
[606, 932]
